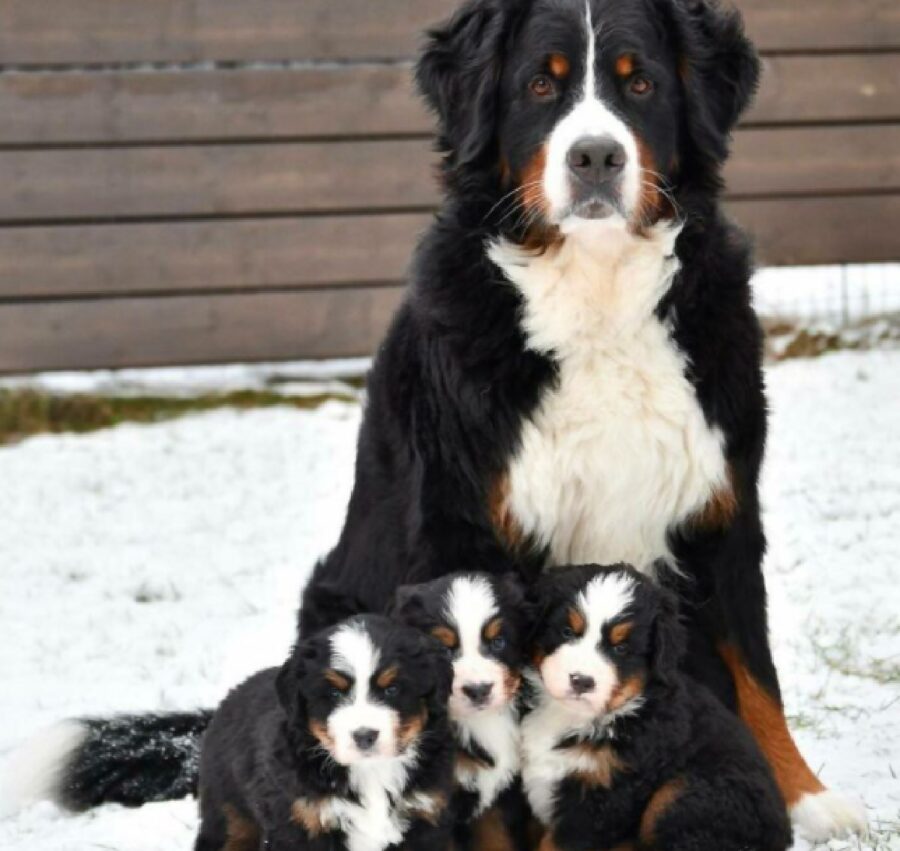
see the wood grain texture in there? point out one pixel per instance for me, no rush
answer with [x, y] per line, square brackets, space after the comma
[211, 180]
[194, 329]
[46, 32]
[352, 101]
[208, 255]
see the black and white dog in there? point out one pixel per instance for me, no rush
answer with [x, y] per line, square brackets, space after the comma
[621, 749]
[575, 374]
[479, 620]
[347, 746]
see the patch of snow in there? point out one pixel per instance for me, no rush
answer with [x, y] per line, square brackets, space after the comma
[152, 567]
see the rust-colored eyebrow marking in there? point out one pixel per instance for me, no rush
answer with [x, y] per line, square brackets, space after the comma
[559, 66]
[576, 621]
[492, 630]
[625, 65]
[446, 636]
[387, 676]
[338, 680]
[620, 632]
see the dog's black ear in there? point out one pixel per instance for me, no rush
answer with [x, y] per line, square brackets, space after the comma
[459, 75]
[720, 69]
[287, 683]
[511, 590]
[408, 605]
[326, 604]
[440, 672]
[669, 638]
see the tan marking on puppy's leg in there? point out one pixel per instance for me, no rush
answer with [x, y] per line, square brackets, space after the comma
[765, 717]
[242, 833]
[489, 832]
[659, 804]
[605, 762]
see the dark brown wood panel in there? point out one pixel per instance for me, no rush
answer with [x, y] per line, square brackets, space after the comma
[358, 176]
[216, 179]
[811, 231]
[194, 329]
[123, 106]
[44, 32]
[207, 255]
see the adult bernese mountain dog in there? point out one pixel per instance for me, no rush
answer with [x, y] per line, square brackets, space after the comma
[346, 747]
[621, 749]
[575, 373]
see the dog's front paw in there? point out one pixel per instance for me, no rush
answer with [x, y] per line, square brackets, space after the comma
[821, 815]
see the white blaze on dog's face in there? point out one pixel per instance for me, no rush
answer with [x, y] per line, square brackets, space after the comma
[580, 664]
[474, 633]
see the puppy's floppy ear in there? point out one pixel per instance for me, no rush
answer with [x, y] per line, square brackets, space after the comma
[408, 606]
[720, 69]
[459, 74]
[440, 670]
[326, 604]
[287, 683]
[669, 638]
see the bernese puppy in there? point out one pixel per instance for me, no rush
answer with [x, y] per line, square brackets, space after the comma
[479, 621]
[575, 374]
[346, 748]
[621, 749]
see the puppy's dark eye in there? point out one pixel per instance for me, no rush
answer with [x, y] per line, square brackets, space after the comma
[640, 86]
[498, 643]
[335, 694]
[542, 86]
[620, 649]
[391, 691]
[568, 633]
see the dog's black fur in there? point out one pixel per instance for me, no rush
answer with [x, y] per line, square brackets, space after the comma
[261, 754]
[685, 773]
[454, 381]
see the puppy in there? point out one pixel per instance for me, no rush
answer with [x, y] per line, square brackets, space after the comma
[621, 750]
[478, 620]
[347, 746]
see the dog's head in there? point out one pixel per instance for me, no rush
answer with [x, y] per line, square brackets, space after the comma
[476, 619]
[603, 637]
[365, 689]
[579, 111]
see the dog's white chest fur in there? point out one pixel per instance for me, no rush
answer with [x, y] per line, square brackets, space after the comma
[619, 451]
[496, 733]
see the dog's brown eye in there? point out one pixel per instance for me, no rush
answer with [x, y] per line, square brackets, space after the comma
[542, 86]
[641, 86]
[620, 649]
[568, 633]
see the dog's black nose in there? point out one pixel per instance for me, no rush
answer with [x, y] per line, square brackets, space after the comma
[581, 684]
[478, 693]
[596, 159]
[365, 738]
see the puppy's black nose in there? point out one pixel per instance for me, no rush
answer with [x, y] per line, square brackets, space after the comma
[365, 738]
[596, 159]
[581, 684]
[478, 693]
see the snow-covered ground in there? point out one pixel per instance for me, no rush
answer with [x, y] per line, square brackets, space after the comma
[153, 566]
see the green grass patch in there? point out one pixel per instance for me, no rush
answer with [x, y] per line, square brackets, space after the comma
[28, 412]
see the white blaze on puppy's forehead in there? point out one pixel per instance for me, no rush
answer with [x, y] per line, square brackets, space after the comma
[604, 599]
[354, 652]
[591, 116]
[470, 605]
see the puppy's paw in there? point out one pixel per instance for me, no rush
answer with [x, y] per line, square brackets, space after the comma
[819, 816]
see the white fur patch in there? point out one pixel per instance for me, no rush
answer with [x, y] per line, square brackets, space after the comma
[35, 771]
[822, 815]
[470, 606]
[497, 733]
[619, 452]
[589, 117]
[605, 599]
[353, 653]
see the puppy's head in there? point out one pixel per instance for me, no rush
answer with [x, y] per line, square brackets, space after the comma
[603, 637]
[577, 112]
[476, 619]
[365, 689]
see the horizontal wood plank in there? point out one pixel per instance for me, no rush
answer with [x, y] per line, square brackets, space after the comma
[210, 180]
[194, 329]
[137, 106]
[54, 32]
[196, 256]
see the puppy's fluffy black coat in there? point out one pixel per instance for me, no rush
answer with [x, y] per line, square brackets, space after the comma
[624, 748]
[347, 746]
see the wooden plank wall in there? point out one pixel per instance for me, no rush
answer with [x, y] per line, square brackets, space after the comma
[196, 181]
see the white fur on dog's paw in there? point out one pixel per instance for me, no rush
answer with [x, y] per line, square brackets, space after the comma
[822, 815]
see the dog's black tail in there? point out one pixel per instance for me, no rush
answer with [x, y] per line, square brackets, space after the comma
[129, 760]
